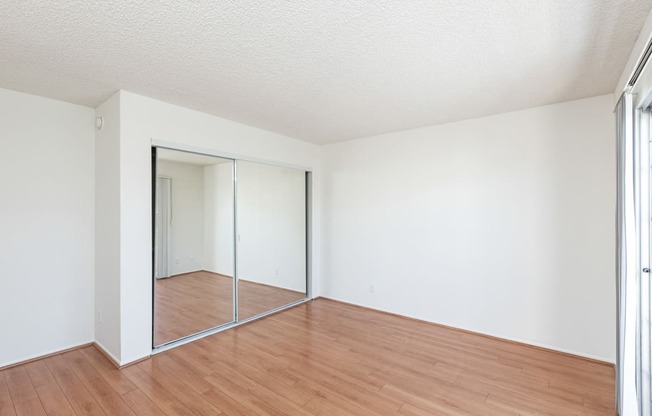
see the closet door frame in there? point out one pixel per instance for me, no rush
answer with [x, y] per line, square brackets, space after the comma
[158, 144]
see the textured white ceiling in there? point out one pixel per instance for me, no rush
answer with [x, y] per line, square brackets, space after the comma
[322, 70]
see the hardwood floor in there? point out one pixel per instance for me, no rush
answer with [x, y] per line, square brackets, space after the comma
[319, 358]
[193, 302]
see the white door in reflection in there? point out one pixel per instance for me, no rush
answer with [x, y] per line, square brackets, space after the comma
[161, 263]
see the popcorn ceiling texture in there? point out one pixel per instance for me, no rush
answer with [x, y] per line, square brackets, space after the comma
[323, 70]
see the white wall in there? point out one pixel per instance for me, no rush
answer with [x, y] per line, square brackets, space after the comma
[47, 223]
[141, 120]
[271, 225]
[218, 215]
[107, 228]
[502, 225]
[186, 251]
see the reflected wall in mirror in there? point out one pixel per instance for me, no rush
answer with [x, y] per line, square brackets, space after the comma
[193, 244]
[271, 227]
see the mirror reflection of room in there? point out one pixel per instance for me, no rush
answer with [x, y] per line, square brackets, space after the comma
[201, 202]
[271, 227]
[194, 244]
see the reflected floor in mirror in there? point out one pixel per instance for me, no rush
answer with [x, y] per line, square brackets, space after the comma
[193, 302]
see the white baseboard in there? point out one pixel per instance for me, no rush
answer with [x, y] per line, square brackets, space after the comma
[484, 333]
[46, 354]
[106, 353]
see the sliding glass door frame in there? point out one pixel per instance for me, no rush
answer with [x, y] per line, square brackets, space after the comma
[634, 365]
[234, 172]
[642, 137]
[308, 236]
[641, 93]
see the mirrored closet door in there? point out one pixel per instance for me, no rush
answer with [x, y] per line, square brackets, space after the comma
[193, 244]
[229, 242]
[271, 237]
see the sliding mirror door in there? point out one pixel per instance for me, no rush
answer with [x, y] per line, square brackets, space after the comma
[193, 244]
[229, 242]
[271, 237]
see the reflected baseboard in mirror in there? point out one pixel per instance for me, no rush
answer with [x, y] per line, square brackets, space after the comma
[271, 234]
[192, 302]
[256, 298]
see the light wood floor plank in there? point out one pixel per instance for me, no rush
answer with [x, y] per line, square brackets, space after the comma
[141, 404]
[39, 374]
[31, 407]
[72, 386]
[20, 386]
[54, 400]
[6, 403]
[114, 377]
[183, 392]
[158, 394]
[320, 358]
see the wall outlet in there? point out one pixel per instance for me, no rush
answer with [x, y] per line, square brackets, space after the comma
[372, 289]
[276, 271]
[100, 320]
